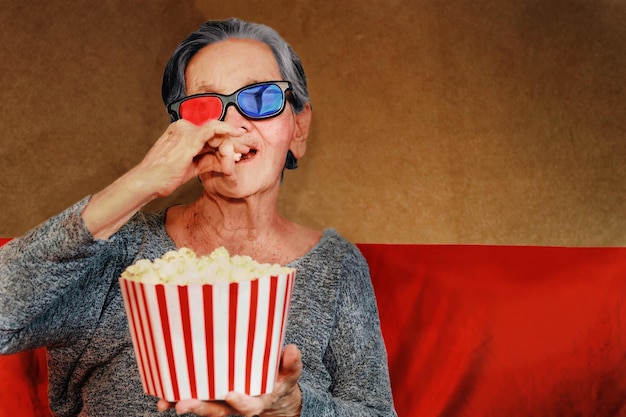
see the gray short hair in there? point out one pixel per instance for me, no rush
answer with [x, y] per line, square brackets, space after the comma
[289, 63]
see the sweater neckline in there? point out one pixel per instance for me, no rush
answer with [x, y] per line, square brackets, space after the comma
[327, 235]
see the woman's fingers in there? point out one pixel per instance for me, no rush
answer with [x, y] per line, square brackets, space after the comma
[163, 405]
[222, 149]
[205, 408]
[245, 404]
[291, 364]
[197, 407]
[285, 400]
[181, 153]
[226, 157]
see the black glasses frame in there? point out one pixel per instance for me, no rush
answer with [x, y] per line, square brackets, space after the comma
[231, 99]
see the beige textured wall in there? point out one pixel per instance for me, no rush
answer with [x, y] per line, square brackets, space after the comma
[484, 122]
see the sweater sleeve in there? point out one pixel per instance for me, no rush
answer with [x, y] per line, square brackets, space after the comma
[356, 357]
[50, 280]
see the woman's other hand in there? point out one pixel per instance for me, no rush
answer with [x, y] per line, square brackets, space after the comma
[284, 401]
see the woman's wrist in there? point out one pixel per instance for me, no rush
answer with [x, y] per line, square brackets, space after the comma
[109, 209]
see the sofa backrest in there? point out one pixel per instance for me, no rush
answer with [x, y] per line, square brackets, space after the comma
[503, 330]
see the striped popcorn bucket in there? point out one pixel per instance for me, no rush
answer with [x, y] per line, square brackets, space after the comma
[203, 340]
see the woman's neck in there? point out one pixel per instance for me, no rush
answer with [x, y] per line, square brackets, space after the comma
[234, 219]
[243, 226]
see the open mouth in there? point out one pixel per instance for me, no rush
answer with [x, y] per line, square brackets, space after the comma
[244, 156]
[238, 156]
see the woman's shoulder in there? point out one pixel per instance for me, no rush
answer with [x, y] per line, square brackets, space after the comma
[145, 232]
[331, 238]
[154, 220]
[333, 249]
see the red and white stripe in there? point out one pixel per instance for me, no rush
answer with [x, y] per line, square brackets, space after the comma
[202, 341]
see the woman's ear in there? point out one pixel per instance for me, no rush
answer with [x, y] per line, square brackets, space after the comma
[301, 133]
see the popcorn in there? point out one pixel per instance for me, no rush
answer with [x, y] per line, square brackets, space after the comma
[202, 326]
[184, 267]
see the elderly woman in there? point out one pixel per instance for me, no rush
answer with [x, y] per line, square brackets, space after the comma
[237, 96]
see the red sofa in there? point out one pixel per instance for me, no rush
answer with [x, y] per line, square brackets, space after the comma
[472, 331]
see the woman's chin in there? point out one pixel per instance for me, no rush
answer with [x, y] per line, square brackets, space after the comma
[238, 190]
[219, 185]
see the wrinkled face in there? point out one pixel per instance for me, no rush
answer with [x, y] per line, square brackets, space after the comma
[223, 68]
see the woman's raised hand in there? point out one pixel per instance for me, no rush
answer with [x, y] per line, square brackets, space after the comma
[185, 151]
[182, 152]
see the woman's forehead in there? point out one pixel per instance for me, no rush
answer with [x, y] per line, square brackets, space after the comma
[225, 66]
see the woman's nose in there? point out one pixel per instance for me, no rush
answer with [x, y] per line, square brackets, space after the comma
[236, 118]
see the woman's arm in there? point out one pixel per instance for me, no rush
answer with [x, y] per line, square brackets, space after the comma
[40, 272]
[356, 357]
[41, 276]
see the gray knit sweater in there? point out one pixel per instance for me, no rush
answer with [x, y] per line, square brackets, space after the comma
[59, 289]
